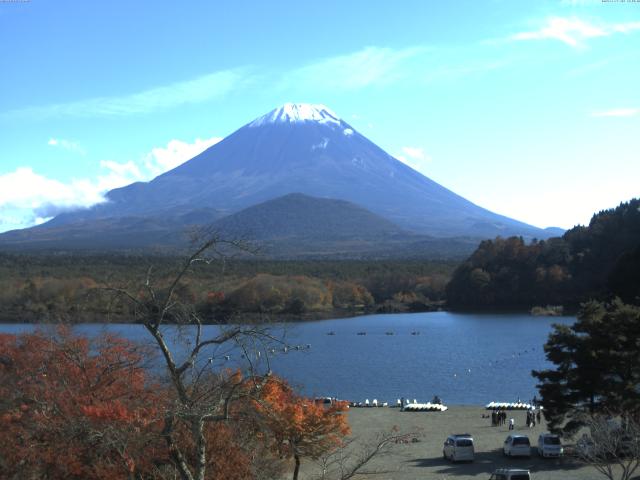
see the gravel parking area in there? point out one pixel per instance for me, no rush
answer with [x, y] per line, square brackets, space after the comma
[423, 459]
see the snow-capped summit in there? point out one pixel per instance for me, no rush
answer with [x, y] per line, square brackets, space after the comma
[298, 112]
[296, 148]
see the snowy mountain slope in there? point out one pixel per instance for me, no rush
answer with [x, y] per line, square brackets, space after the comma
[307, 149]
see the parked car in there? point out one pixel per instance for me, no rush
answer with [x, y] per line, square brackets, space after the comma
[517, 446]
[510, 474]
[549, 445]
[459, 448]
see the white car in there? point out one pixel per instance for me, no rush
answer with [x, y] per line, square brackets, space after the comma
[549, 445]
[517, 446]
[458, 448]
[510, 474]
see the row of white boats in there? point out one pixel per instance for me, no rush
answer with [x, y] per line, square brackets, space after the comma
[414, 406]
[510, 406]
[425, 407]
[408, 405]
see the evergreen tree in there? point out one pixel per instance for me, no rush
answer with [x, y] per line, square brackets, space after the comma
[597, 366]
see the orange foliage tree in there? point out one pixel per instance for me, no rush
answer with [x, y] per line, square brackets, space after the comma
[72, 410]
[75, 409]
[301, 427]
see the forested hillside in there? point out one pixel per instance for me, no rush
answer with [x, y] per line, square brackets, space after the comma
[598, 261]
[42, 288]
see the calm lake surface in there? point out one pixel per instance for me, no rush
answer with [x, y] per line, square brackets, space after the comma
[463, 358]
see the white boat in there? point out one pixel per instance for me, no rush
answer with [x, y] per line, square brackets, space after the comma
[425, 407]
[508, 406]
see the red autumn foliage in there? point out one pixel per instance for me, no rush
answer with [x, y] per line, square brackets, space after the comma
[72, 410]
[302, 427]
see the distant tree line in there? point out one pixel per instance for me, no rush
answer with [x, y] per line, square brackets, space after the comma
[62, 288]
[599, 261]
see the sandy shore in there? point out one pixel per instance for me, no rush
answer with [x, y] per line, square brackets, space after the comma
[423, 459]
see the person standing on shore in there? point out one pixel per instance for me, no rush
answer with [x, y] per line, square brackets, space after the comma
[512, 423]
[533, 419]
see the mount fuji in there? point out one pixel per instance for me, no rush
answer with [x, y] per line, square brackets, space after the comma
[296, 148]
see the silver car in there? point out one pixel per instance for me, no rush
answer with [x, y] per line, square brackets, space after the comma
[511, 474]
[549, 445]
[458, 448]
[517, 446]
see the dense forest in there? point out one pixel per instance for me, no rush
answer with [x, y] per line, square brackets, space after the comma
[598, 261]
[65, 287]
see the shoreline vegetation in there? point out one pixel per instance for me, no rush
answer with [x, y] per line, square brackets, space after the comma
[547, 311]
[547, 277]
[67, 288]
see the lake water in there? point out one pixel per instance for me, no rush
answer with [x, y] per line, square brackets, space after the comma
[463, 358]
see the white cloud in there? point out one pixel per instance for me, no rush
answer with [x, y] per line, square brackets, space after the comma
[23, 192]
[626, 27]
[618, 112]
[198, 90]
[415, 157]
[28, 198]
[67, 145]
[368, 67]
[162, 159]
[575, 32]
[571, 31]
[416, 153]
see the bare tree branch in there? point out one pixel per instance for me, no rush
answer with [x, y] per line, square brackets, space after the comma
[612, 445]
[353, 459]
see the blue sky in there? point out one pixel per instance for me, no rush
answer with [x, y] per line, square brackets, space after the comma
[530, 109]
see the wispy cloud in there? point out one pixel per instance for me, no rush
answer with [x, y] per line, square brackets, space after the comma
[198, 90]
[416, 153]
[28, 198]
[414, 157]
[618, 112]
[371, 66]
[67, 145]
[573, 31]
[380, 67]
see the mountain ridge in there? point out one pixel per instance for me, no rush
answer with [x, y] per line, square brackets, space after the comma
[297, 148]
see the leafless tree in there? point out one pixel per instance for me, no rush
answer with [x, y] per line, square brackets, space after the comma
[612, 445]
[203, 392]
[353, 459]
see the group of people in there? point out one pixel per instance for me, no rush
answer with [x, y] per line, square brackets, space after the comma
[532, 418]
[498, 417]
